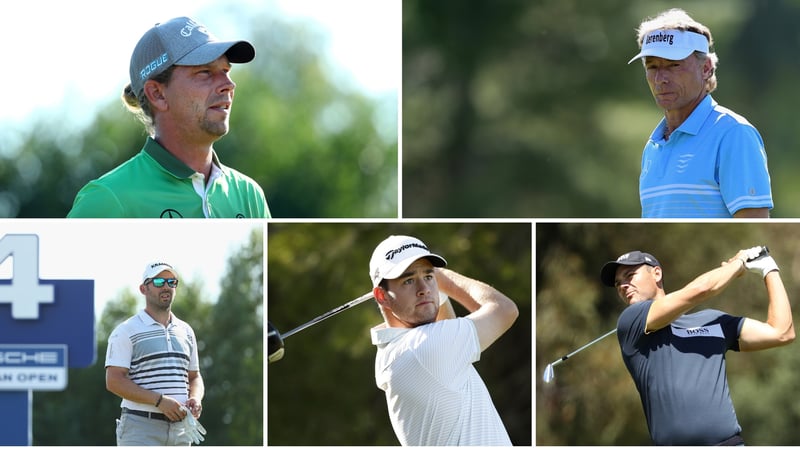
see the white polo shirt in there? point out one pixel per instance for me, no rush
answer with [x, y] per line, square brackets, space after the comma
[158, 358]
[434, 394]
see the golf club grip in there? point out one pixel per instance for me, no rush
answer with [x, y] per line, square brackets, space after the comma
[333, 312]
[764, 252]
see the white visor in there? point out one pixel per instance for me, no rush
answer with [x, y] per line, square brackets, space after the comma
[672, 44]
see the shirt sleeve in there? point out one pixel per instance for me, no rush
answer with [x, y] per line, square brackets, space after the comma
[96, 201]
[448, 349]
[194, 360]
[119, 349]
[632, 324]
[743, 174]
[731, 328]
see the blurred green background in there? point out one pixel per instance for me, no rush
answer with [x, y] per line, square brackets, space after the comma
[318, 143]
[323, 391]
[517, 108]
[592, 400]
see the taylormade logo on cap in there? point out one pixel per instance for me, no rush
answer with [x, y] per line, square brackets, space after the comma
[672, 44]
[181, 41]
[393, 256]
[396, 251]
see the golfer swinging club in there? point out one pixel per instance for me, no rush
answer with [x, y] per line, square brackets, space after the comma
[425, 354]
[677, 360]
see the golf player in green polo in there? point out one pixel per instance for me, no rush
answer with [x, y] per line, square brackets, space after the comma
[182, 91]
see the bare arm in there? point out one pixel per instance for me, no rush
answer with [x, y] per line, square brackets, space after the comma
[117, 381]
[446, 310]
[197, 390]
[752, 213]
[492, 312]
[665, 310]
[779, 328]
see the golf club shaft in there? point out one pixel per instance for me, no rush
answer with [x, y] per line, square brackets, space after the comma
[567, 356]
[548, 372]
[337, 310]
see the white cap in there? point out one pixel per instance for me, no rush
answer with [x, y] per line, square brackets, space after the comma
[672, 44]
[393, 256]
[154, 268]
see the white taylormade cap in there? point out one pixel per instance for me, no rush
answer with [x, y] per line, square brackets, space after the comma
[672, 44]
[154, 268]
[393, 256]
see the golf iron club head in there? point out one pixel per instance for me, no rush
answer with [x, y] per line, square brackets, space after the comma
[549, 373]
[274, 343]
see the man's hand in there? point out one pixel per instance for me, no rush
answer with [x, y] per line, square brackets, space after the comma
[763, 264]
[195, 407]
[193, 429]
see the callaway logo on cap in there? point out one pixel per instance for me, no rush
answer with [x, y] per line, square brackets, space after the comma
[672, 44]
[393, 256]
[181, 41]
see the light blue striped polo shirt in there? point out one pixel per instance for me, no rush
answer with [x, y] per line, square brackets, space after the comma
[713, 165]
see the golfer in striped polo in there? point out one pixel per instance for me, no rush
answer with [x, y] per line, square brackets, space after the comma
[152, 363]
[425, 354]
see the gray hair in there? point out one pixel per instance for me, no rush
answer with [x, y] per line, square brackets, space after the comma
[678, 19]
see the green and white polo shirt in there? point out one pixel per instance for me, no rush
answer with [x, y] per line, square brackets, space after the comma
[155, 183]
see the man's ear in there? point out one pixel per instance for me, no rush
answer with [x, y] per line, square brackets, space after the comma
[141, 288]
[658, 274]
[154, 91]
[380, 295]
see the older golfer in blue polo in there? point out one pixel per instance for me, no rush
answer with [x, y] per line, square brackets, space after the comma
[702, 160]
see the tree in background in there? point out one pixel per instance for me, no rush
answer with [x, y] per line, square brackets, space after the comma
[323, 391]
[532, 102]
[592, 400]
[317, 149]
[230, 340]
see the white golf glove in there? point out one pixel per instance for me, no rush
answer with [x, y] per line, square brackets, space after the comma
[192, 428]
[763, 265]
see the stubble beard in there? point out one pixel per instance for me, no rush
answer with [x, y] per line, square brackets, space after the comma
[160, 304]
[215, 128]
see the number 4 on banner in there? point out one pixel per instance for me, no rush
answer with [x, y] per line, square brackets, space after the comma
[25, 292]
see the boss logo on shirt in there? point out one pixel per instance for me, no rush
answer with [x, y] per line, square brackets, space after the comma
[706, 331]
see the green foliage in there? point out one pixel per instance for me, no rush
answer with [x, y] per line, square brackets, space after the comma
[230, 341]
[533, 102]
[234, 353]
[316, 149]
[592, 400]
[323, 391]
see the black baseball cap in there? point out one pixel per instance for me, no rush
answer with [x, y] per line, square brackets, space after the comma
[634, 258]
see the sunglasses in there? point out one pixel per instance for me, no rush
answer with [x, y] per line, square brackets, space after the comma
[159, 282]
